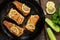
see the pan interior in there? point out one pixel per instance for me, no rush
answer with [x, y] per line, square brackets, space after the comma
[27, 34]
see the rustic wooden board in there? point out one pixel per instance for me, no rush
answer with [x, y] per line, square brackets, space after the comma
[43, 3]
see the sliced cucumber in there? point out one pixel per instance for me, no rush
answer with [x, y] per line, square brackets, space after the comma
[50, 34]
[52, 25]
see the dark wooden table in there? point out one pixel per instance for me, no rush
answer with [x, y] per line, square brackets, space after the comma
[43, 35]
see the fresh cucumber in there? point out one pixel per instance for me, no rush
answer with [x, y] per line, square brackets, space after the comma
[50, 34]
[52, 25]
[59, 11]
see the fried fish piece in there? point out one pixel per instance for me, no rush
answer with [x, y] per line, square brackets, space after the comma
[33, 19]
[14, 29]
[25, 10]
[30, 27]
[13, 14]
[32, 22]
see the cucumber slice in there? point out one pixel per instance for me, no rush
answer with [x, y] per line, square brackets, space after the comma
[52, 25]
[50, 34]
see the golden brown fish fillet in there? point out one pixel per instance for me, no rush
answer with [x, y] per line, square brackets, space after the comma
[32, 22]
[25, 10]
[14, 29]
[33, 19]
[13, 14]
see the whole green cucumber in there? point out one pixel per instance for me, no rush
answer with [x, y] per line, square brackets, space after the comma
[50, 34]
[52, 25]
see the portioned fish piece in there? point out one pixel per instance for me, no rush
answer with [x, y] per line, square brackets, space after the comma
[14, 29]
[25, 10]
[32, 22]
[33, 19]
[17, 17]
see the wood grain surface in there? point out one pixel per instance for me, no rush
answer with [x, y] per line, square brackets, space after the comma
[43, 3]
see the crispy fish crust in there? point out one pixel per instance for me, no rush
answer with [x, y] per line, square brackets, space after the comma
[13, 14]
[14, 29]
[32, 22]
[20, 6]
